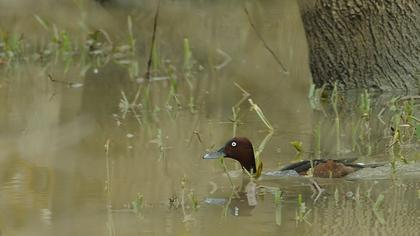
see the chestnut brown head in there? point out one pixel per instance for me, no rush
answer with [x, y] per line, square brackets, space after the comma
[238, 148]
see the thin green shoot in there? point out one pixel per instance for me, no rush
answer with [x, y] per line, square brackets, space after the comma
[302, 211]
[334, 102]
[298, 146]
[317, 137]
[137, 204]
[42, 22]
[194, 201]
[376, 209]
[278, 203]
[225, 169]
[131, 38]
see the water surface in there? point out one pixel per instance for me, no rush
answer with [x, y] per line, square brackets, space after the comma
[74, 157]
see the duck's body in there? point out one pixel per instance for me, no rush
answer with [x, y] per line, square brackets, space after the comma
[240, 149]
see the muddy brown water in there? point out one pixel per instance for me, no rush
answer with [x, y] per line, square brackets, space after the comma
[72, 163]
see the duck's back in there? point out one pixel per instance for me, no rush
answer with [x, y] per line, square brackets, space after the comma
[325, 168]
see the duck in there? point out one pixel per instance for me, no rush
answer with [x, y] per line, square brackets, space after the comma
[241, 150]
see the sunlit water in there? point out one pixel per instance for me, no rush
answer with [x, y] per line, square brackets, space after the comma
[72, 161]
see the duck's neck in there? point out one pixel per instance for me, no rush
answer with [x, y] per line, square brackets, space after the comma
[249, 164]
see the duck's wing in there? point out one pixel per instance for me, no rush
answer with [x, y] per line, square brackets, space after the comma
[302, 166]
[363, 165]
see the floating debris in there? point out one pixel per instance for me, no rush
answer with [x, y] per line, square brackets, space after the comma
[141, 79]
[75, 85]
[215, 201]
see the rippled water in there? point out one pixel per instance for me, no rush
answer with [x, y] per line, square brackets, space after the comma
[72, 162]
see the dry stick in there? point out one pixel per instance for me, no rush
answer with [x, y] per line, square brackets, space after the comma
[149, 62]
[245, 95]
[235, 108]
[316, 189]
[60, 81]
[264, 42]
[261, 115]
[110, 223]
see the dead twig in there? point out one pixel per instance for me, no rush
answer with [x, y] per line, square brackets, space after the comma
[316, 189]
[264, 42]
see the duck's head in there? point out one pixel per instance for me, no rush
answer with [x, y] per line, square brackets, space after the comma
[240, 149]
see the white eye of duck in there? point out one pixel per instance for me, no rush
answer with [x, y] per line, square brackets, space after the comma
[233, 144]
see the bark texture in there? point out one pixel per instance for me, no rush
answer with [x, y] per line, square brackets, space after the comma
[363, 43]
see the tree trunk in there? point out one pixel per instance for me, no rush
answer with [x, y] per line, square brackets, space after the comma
[363, 43]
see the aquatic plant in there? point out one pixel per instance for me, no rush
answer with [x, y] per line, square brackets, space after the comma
[302, 211]
[278, 203]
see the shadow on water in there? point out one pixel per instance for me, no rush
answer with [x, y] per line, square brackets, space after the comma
[88, 147]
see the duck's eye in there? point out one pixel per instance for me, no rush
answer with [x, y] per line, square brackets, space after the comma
[233, 144]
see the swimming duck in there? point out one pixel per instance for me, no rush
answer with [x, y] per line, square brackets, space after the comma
[241, 150]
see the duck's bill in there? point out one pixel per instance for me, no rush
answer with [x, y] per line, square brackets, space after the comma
[214, 155]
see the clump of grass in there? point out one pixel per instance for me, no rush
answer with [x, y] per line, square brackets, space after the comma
[377, 126]
[403, 127]
[11, 49]
[92, 48]
[362, 129]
